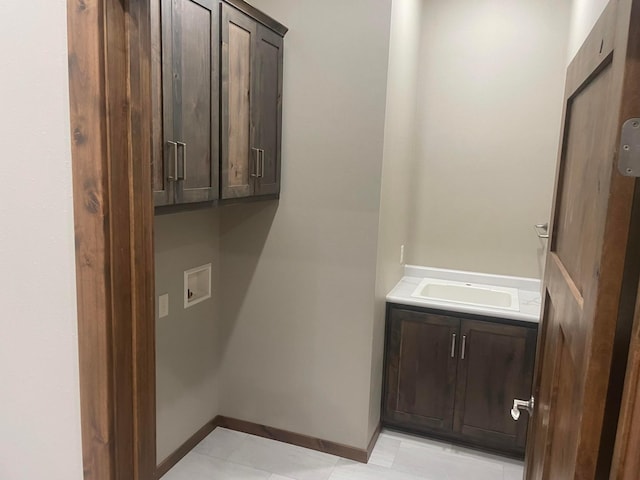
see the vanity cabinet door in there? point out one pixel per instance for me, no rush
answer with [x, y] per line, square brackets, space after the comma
[421, 370]
[495, 366]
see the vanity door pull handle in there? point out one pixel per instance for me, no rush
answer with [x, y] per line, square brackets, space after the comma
[184, 160]
[255, 173]
[453, 345]
[174, 176]
[261, 163]
[464, 346]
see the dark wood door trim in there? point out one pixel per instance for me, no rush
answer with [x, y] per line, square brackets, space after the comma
[110, 107]
[605, 52]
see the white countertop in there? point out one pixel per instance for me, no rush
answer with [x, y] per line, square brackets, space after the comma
[528, 293]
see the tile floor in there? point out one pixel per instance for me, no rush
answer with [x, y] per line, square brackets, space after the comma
[228, 455]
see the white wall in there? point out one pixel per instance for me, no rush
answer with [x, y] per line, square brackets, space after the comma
[399, 164]
[39, 403]
[299, 275]
[491, 88]
[187, 357]
[583, 17]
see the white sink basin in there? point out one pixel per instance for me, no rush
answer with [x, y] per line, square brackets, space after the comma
[468, 293]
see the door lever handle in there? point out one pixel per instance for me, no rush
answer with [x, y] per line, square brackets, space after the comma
[542, 230]
[522, 405]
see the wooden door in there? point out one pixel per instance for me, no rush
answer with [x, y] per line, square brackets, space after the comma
[421, 370]
[195, 36]
[495, 366]
[267, 109]
[585, 299]
[239, 155]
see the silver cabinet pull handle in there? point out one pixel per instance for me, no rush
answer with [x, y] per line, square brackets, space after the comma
[184, 160]
[256, 171]
[453, 345]
[174, 176]
[522, 405]
[464, 346]
[261, 163]
[542, 230]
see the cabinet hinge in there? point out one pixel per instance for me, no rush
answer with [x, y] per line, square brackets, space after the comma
[629, 154]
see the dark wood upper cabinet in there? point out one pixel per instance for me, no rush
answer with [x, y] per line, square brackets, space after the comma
[421, 369]
[455, 377]
[217, 101]
[251, 100]
[190, 103]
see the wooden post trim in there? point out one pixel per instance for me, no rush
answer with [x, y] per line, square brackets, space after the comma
[109, 81]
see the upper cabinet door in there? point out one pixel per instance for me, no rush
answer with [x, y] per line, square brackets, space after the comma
[268, 110]
[164, 148]
[195, 66]
[217, 101]
[185, 62]
[240, 157]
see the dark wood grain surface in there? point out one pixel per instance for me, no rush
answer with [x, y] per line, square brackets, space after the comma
[496, 368]
[259, 16]
[109, 63]
[268, 109]
[465, 398]
[173, 459]
[626, 461]
[313, 443]
[585, 274]
[238, 158]
[195, 30]
[141, 230]
[421, 370]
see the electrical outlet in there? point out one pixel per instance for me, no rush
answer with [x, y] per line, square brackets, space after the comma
[163, 305]
[401, 254]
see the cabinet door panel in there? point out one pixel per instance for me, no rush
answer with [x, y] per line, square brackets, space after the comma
[497, 367]
[238, 157]
[268, 109]
[421, 370]
[195, 68]
[162, 103]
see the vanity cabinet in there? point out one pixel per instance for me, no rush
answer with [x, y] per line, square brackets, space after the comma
[186, 163]
[251, 95]
[456, 376]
